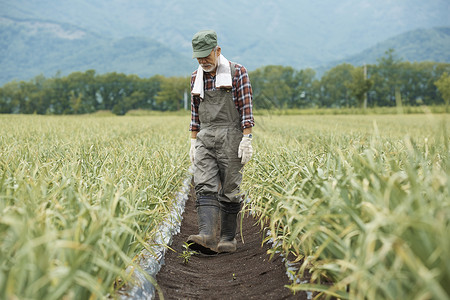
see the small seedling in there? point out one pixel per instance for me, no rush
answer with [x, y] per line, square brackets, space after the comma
[234, 276]
[187, 253]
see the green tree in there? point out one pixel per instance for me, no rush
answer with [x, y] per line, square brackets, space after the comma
[60, 98]
[128, 96]
[334, 90]
[111, 90]
[171, 95]
[414, 80]
[7, 94]
[273, 86]
[83, 89]
[359, 85]
[303, 88]
[386, 78]
[443, 84]
[134, 101]
[151, 87]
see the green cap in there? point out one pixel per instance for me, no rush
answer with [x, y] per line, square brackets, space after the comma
[203, 42]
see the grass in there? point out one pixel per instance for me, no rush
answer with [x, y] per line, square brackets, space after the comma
[422, 109]
[361, 201]
[144, 112]
[80, 197]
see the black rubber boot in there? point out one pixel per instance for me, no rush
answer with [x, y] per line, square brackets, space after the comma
[208, 216]
[228, 217]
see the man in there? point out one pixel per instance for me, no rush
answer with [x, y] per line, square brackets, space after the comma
[221, 127]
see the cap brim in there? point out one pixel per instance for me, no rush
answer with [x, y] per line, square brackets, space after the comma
[201, 54]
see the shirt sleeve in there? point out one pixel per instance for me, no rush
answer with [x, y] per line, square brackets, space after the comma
[244, 97]
[195, 100]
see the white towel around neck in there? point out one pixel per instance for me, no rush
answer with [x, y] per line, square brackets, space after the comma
[223, 77]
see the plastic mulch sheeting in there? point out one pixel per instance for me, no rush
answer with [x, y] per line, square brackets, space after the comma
[151, 262]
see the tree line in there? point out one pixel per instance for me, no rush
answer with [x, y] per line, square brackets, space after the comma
[390, 82]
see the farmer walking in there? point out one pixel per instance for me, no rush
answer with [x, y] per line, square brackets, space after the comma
[221, 142]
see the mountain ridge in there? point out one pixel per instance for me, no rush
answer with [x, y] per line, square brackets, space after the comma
[434, 46]
[145, 57]
[47, 49]
[300, 34]
[254, 32]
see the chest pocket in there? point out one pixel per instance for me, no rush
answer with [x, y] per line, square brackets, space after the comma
[218, 108]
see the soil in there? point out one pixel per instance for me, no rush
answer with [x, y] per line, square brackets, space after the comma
[248, 273]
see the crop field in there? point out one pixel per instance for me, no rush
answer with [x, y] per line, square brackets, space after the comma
[78, 198]
[361, 201]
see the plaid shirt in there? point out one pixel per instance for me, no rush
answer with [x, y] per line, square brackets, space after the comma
[242, 96]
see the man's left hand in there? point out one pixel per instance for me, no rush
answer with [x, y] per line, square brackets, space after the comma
[245, 150]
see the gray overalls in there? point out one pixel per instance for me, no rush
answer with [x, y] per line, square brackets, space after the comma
[218, 168]
[217, 172]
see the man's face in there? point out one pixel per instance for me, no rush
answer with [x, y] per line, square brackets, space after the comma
[209, 63]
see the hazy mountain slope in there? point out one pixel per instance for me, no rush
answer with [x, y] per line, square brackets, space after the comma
[416, 45]
[29, 48]
[300, 33]
[149, 37]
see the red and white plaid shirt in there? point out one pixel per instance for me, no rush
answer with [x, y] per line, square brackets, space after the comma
[242, 96]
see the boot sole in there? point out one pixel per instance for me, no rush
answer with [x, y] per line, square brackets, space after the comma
[199, 246]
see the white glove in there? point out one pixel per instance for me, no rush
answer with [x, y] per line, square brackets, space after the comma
[192, 150]
[245, 150]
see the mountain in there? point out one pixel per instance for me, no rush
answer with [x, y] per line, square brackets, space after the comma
[32, 47]
[298, 33]
[414, 46]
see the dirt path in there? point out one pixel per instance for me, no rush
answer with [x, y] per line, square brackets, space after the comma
[246, 274]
